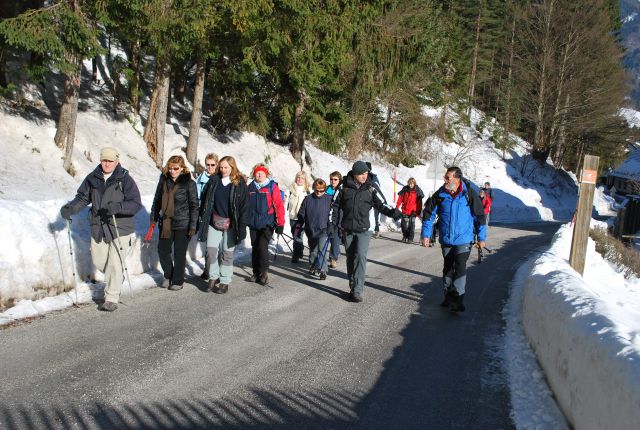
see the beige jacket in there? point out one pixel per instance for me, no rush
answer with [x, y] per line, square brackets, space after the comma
[294, 201]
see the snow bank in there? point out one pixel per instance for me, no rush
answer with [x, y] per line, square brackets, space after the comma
[586, 336]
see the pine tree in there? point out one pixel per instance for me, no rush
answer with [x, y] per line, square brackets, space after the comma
[63, 34]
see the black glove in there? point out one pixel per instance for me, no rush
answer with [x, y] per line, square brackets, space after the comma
[103, 214]
[66, 212]
[113, 208]
[397, 214]
[279, 229]
[331, 230]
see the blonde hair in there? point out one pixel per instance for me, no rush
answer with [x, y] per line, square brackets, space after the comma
[175, 159]
[211, 156]
[235, 174]
[303, 174]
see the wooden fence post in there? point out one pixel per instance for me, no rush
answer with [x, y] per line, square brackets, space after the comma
[583, 217]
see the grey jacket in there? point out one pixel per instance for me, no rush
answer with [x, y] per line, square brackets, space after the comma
[121, 188]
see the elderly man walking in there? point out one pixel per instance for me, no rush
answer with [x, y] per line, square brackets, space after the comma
[460, 216]
[115, 199]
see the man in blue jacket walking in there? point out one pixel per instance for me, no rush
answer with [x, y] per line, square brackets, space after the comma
[460, 216]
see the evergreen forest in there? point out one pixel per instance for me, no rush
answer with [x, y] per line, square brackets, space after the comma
[348, 75]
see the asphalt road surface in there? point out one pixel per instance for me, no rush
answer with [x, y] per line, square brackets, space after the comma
[293, 355]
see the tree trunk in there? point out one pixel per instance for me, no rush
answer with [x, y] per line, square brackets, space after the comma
[94, 69]
[154, 129]
[296, 145]
[474, 64]
[507, 125]
[539, 142]
[134, 82]
[196, 113]
[179, 84]
[169, 99]
[66, 130]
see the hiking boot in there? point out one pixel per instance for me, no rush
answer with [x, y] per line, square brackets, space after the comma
[222, 288]
[376, 234]
[165, 283]
[356, 297]
[448, 299]
[295, 259]
[263, 279]
[323, 276]
[174, 287]
[205, 275]
[333, 263]
[108, 306]
[213, 284]
[457, 304]
[253, 278]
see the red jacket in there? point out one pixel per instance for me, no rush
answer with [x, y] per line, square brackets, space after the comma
[410, 200]
[486, 203]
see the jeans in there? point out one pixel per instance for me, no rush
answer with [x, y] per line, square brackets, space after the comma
[317, 258]
[335, 246]
[298, 245]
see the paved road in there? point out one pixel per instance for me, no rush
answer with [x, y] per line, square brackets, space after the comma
[296, 355]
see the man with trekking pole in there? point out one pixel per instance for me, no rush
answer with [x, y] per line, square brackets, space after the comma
[115, 199]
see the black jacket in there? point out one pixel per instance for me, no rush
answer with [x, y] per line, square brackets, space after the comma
[185, 202]
[238, 207]
[120, 187]
[355, 203]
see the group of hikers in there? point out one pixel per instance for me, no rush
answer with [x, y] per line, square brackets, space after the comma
[221, 204]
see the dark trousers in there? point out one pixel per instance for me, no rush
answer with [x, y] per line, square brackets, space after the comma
[408, 226]
[376, 217]
[298, 245]
[357, 246]
[454, 272]
[260, 240]
[335, 246]
[173, 266]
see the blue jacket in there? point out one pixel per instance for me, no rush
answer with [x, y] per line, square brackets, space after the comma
[458, 217]
[201, 182]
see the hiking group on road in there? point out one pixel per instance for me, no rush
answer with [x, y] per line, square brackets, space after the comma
[220, 204]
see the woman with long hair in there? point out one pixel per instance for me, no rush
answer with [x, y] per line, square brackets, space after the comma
[297, 192]
[175, 206]
[223, 221]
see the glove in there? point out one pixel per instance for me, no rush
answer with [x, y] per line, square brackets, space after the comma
[113, 208]
[66, 212]
[103, 214]
[397, 214]
[279, 229]
[191, 233]
[331, 230]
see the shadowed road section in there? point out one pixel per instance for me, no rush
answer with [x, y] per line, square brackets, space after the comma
[294, 355]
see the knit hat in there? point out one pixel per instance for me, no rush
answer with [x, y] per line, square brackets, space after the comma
[260, 168]
[359, 167]
[109, 154]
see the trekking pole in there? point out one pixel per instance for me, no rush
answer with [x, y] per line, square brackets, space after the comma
[325, 248]
[122, 260]
[277, 244]
[73, 262]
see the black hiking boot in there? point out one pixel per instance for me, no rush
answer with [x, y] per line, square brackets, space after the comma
[263, 279]
[448, 298]
[222, 288]
[213, 285]
[457, 305]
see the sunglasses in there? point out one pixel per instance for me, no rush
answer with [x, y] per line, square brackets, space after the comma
[175, 168]
[211, 165]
